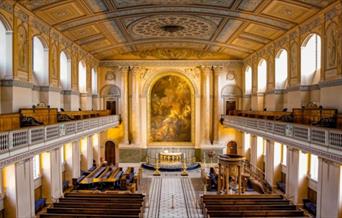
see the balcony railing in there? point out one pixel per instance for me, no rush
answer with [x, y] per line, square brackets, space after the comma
[29, 137]
[322, 141]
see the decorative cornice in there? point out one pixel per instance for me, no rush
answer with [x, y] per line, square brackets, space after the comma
[170, 63]
[69, 92]
[16, 83]
[331, 83]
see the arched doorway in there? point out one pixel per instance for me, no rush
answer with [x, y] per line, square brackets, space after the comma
[111, 97]
[230, 97]
[110, 152]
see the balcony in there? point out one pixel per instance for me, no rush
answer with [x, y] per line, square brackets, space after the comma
[17, 144]
[325, 142]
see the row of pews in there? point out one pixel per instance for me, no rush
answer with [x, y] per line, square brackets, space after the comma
[27, 117]
[108, 177]
[93, 204]
[269, 205]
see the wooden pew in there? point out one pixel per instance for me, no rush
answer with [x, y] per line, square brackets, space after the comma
[98, 205]
[45, 115]
[56, 215]
[257, 213]
[9, 122]
[98, 211]
[94, 204]
[79, 115]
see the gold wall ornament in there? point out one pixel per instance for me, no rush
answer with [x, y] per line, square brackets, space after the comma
[176, 54]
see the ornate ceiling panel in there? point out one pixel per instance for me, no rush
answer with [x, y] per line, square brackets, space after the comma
[174, 29]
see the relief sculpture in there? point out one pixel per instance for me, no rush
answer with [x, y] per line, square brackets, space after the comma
[170, 110]
[331, 46]
[22, 48]
[293, 60]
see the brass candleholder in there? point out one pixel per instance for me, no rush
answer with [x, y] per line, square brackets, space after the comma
[184, 172]
[156, 172]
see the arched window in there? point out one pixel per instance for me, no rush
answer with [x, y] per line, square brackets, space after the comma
[262, 76]
[248, 80]
[311, 60]
[94, 81]
[65, 71]
[281, 69]
[82, 77]
[5, 51]
[40, 62]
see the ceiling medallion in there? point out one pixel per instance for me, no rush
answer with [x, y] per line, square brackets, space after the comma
[171, 28]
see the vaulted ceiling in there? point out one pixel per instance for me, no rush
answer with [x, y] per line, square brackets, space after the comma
[173, 29]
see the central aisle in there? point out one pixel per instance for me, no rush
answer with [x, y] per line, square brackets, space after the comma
[160, 198]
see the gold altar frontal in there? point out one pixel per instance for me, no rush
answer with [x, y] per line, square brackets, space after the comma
[167, 157]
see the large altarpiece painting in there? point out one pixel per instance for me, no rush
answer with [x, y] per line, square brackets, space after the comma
[171, 110]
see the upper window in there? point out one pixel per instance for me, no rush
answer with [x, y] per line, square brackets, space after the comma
[281, 69]
[40, 62]
[311, 60]
[284, 155]
[36, 167]
[94, 81]
[248, 80]
[62, 155]
[314, 167]
[247, 141]
[82, 77]
[5, 51]
[262, 76]
[65, 71]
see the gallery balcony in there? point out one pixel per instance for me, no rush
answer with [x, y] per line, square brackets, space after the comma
[16, 144]
[326, 142]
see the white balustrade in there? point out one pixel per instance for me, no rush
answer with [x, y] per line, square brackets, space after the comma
[43, 134]
[322, 138]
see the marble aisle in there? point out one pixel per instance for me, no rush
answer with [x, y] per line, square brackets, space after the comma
[160, 198]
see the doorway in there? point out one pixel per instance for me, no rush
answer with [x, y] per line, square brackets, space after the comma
[230, 106]
[110, 152]
[111, 105]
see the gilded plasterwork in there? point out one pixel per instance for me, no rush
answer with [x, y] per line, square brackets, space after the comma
[171, 110]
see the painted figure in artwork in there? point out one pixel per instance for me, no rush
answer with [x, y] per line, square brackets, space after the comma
[170, 110]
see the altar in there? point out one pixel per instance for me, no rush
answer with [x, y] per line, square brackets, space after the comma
[171, 157]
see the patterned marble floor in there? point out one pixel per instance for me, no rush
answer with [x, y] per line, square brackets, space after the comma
[172, 196]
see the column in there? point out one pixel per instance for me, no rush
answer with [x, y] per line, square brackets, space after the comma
[253, 151]
[96, 148]
[216, 112]
[205, 106]
[24, 189]
[124, 103]
[227, 179]
[239, 179]
[272, 162]
[135, 106]
[86, 153]
[329, 189]
[76, 159]
[52, 175]
[296, 176]
[219, 185]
